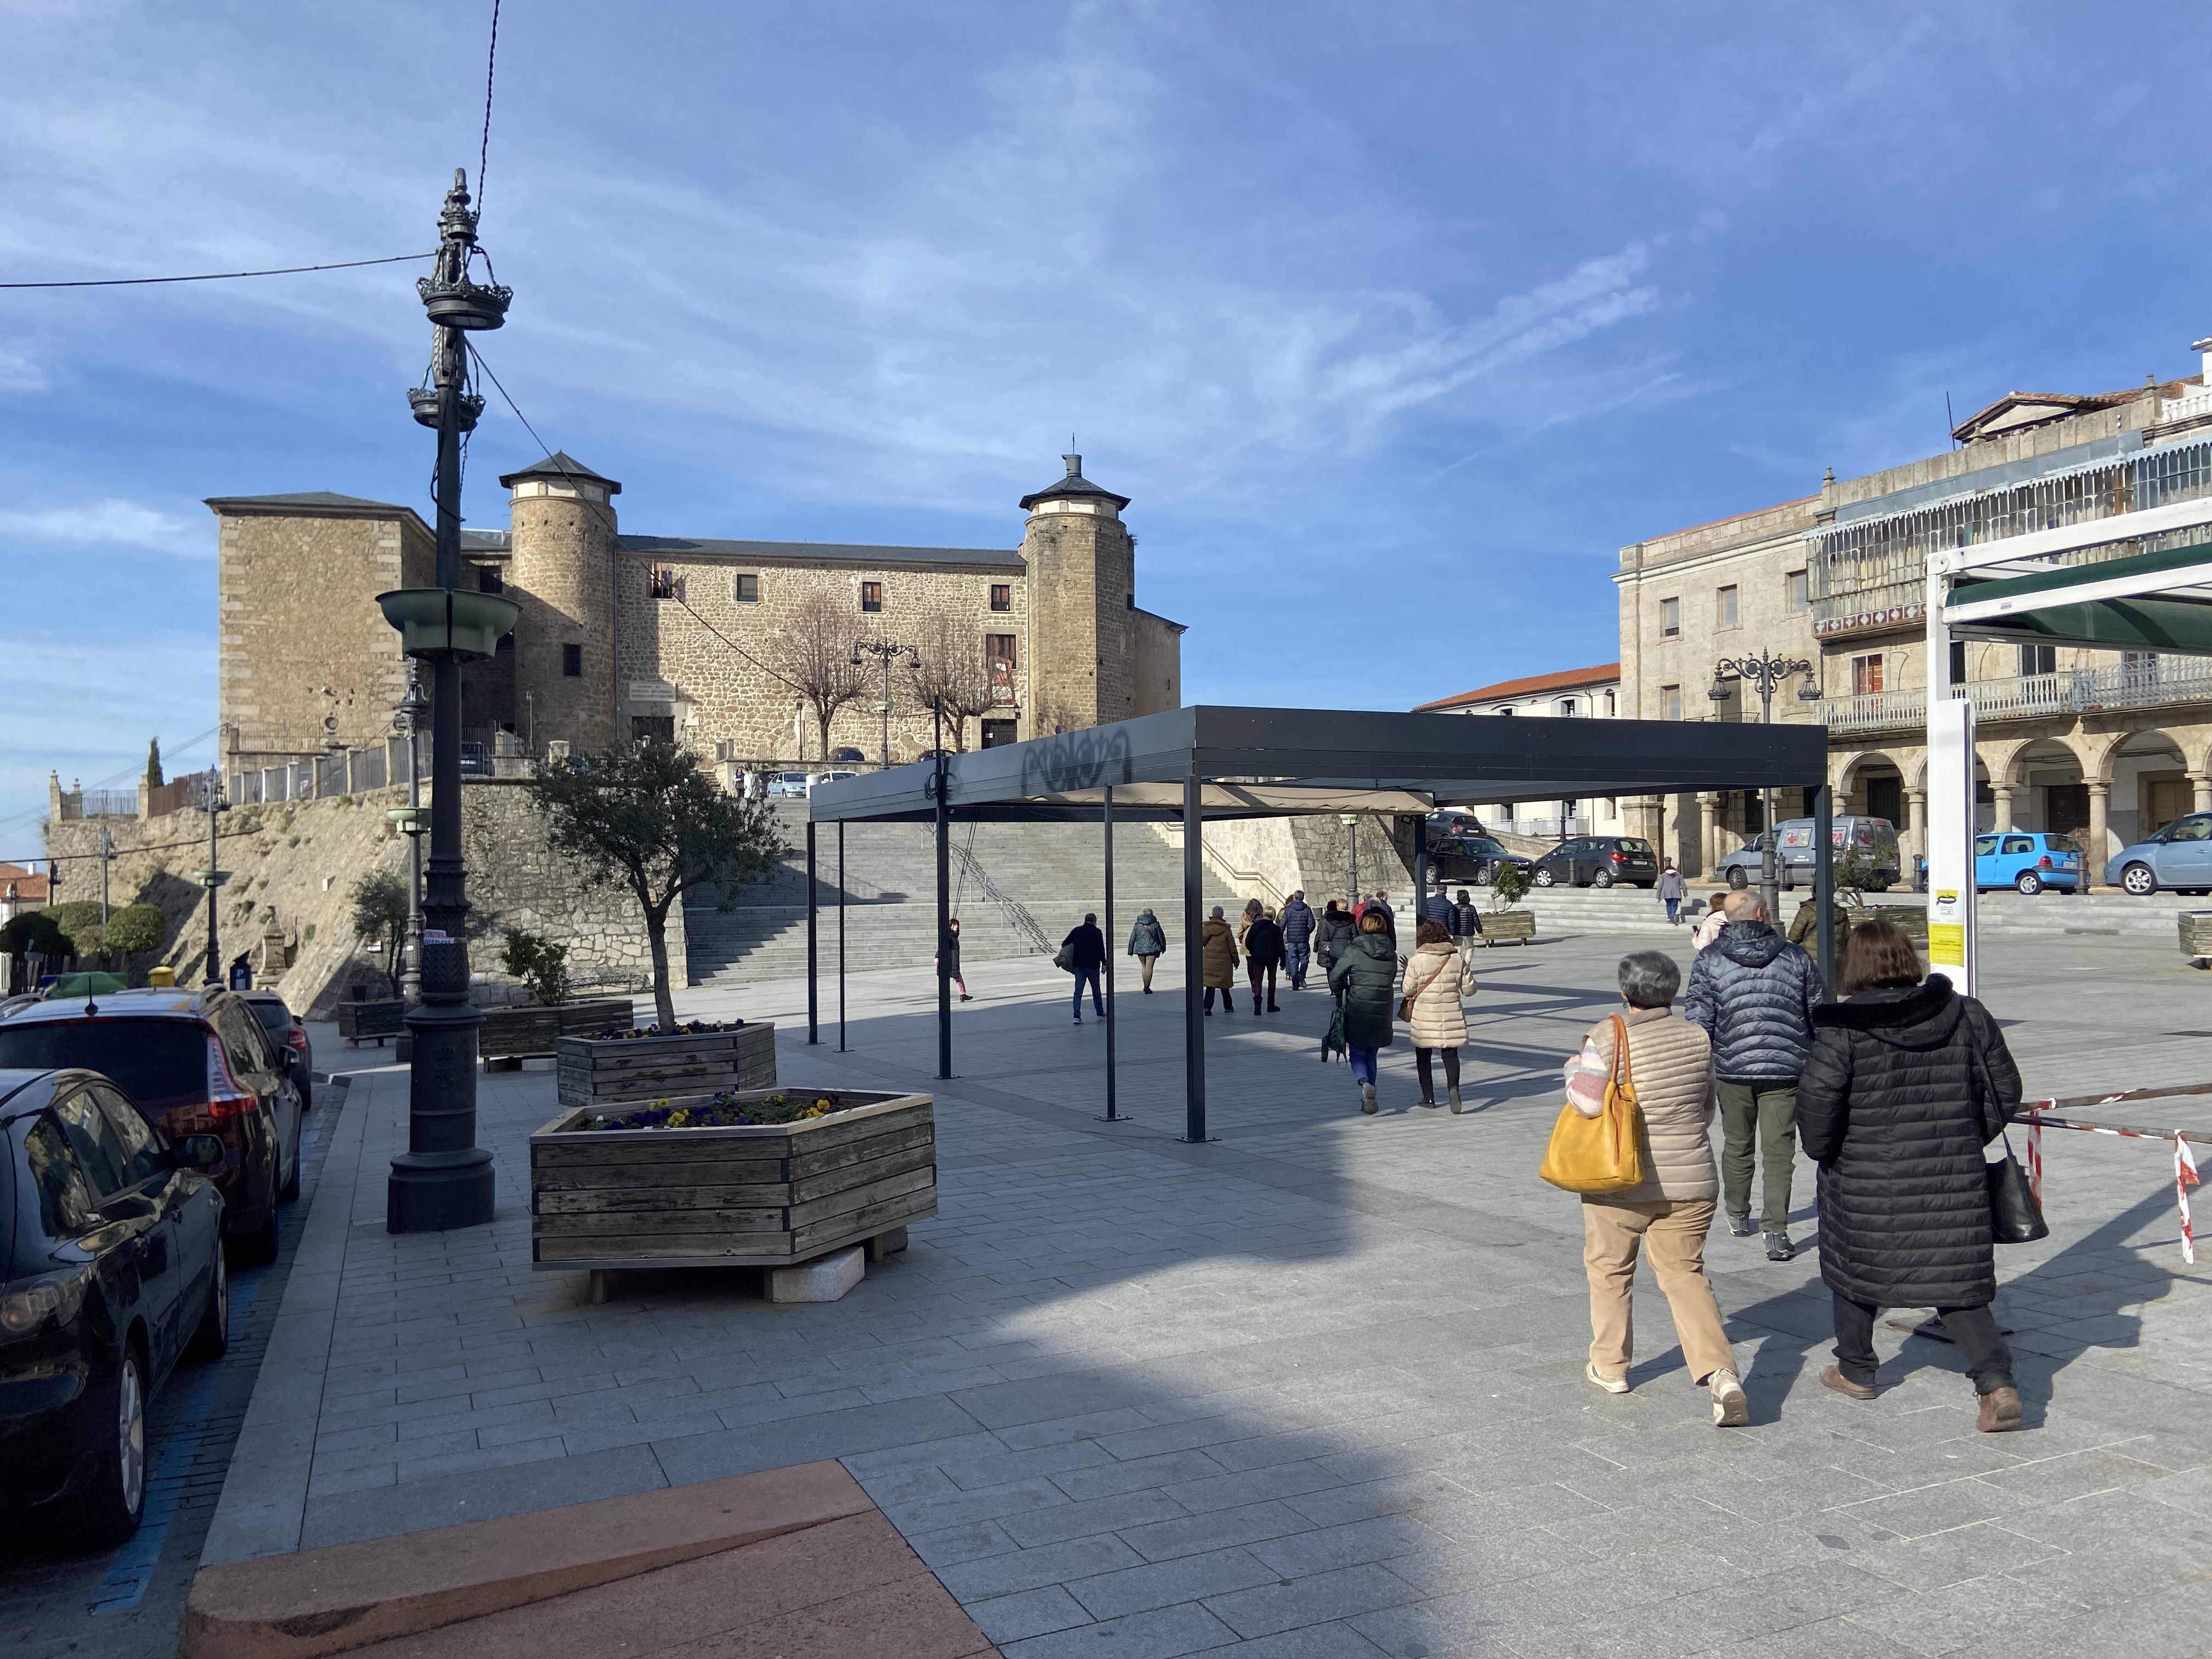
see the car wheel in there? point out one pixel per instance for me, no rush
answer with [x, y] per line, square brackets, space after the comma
[109, 1509]
[211, 1338]
[1601, 879]
[1544, 878]
[2138, 879]
[1737, 880]
[258, 1249]
[2029, 883]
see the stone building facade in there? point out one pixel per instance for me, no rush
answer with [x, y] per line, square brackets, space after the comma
[2105, 745]
[622, 635]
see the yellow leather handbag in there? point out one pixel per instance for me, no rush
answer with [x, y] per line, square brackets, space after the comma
[1598, 1155]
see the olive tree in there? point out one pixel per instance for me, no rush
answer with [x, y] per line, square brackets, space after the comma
[642, 816]
[380, 913]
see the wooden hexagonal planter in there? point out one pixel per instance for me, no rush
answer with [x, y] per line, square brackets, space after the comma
[768, 1195]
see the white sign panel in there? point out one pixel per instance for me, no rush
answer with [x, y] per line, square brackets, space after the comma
[1951, 840]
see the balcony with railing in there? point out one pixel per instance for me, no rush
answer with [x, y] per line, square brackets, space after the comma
[2151, 684]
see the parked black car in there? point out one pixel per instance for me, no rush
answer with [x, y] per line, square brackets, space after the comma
[198, 1062]
[111, 1271]
[1599, 861]
[286, 1032]
[1473, 857]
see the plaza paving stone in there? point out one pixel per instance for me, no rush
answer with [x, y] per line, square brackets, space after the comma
[1314, 1389]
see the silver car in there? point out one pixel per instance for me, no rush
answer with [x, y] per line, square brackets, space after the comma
[2178, 857]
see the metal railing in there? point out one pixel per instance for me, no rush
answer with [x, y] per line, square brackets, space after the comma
[336, 772]
[1016, 913]
[2151, 683]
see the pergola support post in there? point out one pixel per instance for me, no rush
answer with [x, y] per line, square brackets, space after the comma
[1106, 823]
[840, 936]
[1420, 879]
[1824, 884]
[944, 917]
[1193, 958]
[813, 946]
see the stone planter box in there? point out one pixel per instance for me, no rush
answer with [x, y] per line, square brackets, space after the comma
[768, 1196]
[1500, 926]
[360, 1022]
[2196, 933]
[618, 1069]
[514, 1033]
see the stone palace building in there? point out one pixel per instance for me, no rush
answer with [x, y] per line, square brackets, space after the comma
[696, 639]
[2107, 746]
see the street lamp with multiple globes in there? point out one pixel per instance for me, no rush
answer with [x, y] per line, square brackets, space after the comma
[444, 1179]
[1764, 672]
[887, 651]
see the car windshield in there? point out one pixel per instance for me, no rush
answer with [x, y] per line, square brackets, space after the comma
[2190, 828]
[2063, 843]
[160, 1063]
[276, 1018]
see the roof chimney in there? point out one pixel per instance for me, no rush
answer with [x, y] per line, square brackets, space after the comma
[2204, 348]
[1075, 462]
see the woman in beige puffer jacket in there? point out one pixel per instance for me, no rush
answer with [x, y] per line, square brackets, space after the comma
[1431, 984]
[1670, 1212]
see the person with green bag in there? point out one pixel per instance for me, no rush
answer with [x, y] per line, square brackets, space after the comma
[1668, 1212]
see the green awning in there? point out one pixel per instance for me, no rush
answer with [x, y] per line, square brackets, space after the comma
[2143, 602]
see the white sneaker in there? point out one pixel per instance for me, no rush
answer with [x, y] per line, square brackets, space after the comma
[1730, 1409]
[1610, 1384]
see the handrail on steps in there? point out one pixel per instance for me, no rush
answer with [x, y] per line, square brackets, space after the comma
[1016, 914]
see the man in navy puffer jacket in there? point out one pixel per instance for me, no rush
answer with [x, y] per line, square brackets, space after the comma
[1754, 993]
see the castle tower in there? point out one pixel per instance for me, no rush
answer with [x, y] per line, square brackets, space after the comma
[563, 573]
[1082, 589]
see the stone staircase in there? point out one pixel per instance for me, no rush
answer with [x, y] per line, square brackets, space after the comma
[1047, 876]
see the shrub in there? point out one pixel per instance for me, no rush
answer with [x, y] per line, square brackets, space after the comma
[79, 919]
[380, 912]
[1509, 885]
[34, 930]
[136, 928]
[540, 965]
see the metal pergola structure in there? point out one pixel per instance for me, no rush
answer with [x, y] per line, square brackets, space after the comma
[1193, 764]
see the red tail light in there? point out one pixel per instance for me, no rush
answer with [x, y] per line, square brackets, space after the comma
[226, 1096]
[296, 1041]
[1618, 857]
[232, 1105]
[2044, 863]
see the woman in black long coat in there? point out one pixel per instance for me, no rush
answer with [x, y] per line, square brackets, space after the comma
[1907, 1082]
[948, 958]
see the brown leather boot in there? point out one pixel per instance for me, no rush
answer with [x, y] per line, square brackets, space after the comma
[1999, 1412]
[1832, 1377]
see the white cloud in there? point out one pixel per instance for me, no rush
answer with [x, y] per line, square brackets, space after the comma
[111, 523]
[19, 373]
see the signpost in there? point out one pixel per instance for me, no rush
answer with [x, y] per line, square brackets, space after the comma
[1951, 840]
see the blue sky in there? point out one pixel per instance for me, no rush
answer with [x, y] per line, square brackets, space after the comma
[1395, 320]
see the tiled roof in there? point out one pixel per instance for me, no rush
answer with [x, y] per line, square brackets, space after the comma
[30, 889]
[1572, 679]
[1073, 485]
[560, 465]
[325, 502]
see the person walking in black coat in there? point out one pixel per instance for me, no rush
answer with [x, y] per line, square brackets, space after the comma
[1754, 993]
[948, 958]
[1086, 948]
[1365, 975]
[1907, 1083]
[1336, 929]
[1263, 955]
[1298, 926]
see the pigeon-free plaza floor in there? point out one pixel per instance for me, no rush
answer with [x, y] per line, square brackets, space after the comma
[1315, 1389]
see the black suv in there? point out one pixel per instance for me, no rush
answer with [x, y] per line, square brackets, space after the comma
[1473, 857]
[110, 1272]
[198, 1062]
[1599, 861]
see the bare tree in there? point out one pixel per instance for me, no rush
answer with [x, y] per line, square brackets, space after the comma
[814, 651]
[952, 668]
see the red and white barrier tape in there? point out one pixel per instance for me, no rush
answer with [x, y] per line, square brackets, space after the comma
[2036, 1114]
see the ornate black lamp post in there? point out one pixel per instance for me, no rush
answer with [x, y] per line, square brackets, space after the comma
[887, 651]
[1765, 673]
[444, 1179]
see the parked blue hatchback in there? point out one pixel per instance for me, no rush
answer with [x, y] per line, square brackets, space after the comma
[2030, 860]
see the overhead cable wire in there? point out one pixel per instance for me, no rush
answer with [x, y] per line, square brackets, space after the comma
[547, 451]
[224, 276]
[484, 153]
